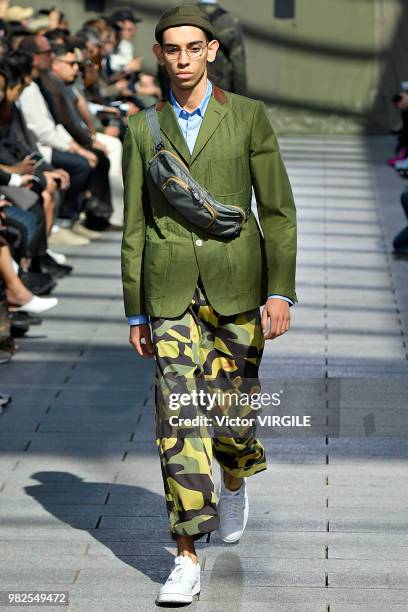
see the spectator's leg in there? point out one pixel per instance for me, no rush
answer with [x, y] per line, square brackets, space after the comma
[99, 179]
[17, 292]
[114, 147]
[404, 201]
[403, 136]
[79, 171]
[49, 207]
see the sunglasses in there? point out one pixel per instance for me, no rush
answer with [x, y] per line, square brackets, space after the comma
[74, 63]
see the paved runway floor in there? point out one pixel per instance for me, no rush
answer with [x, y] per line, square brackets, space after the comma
[81, 506]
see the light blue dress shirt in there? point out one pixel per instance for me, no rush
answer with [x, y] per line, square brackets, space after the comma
[190, 125]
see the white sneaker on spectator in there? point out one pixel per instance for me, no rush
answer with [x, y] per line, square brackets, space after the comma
[81, 230]
[183, 582]
[38, 305]
[232, 508]
[67, 237]
[15, 265]
[59, 257]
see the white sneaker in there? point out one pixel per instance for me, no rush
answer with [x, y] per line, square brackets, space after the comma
[183, 582]
[37, 305]
[232, 508]
[65, 236]
[59, 257]
[81, 230]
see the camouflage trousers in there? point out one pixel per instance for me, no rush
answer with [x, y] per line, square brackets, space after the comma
[203, 350]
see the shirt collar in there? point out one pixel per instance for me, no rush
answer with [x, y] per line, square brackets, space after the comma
[201, 108]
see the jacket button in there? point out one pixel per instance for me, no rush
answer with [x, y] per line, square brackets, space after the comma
[199, 242]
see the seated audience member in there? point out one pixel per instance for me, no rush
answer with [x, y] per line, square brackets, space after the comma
[401, 240]
[72, 109]
[18, 171]
[122, 58]
[123, 68]
[18, 147]
[39, 111]
[66, 102]
[20, 155]
[19, 297]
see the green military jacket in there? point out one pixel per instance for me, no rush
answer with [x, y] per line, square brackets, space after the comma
[163, 254]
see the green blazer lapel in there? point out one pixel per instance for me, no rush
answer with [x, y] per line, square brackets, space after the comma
[213, 116]
[169, 125]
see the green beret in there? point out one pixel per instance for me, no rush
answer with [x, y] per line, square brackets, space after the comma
[188, 14]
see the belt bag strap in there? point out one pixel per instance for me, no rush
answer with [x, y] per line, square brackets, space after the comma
[185, 194]
[154, 125]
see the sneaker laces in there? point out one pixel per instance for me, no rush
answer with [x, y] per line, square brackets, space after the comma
[176, 574]
[233, 507]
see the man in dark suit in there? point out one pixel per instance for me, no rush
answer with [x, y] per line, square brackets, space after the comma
[58, 83]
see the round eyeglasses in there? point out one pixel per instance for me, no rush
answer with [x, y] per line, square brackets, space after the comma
[194, 52]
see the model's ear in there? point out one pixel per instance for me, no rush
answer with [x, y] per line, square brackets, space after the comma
[158, 51]
[213, 47]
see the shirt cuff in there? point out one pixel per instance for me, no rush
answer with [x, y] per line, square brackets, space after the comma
[281, 297]
[138, 320]
[15, 180]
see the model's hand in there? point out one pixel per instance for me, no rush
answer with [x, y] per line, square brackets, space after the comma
[139, 333]
[278, 313]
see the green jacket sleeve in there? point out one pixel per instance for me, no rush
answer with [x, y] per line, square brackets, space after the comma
[134, 226]
[276, 207]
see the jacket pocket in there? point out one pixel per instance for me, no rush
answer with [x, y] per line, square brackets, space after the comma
[227, 176]
[156, 264]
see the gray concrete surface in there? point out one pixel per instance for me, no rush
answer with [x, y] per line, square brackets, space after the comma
[81, 505]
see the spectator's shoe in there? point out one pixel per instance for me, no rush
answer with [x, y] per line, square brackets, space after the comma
[64, 236]
[38, 283]
[81, 230]
[183, 582]
[20, 324]
[4, 399]
[401, 165]
[232, 511]
[59, 257]
[399, 157]
[46, 264]
[37, 305]
[21, 321]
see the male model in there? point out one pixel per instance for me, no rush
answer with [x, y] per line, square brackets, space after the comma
[203, 293]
